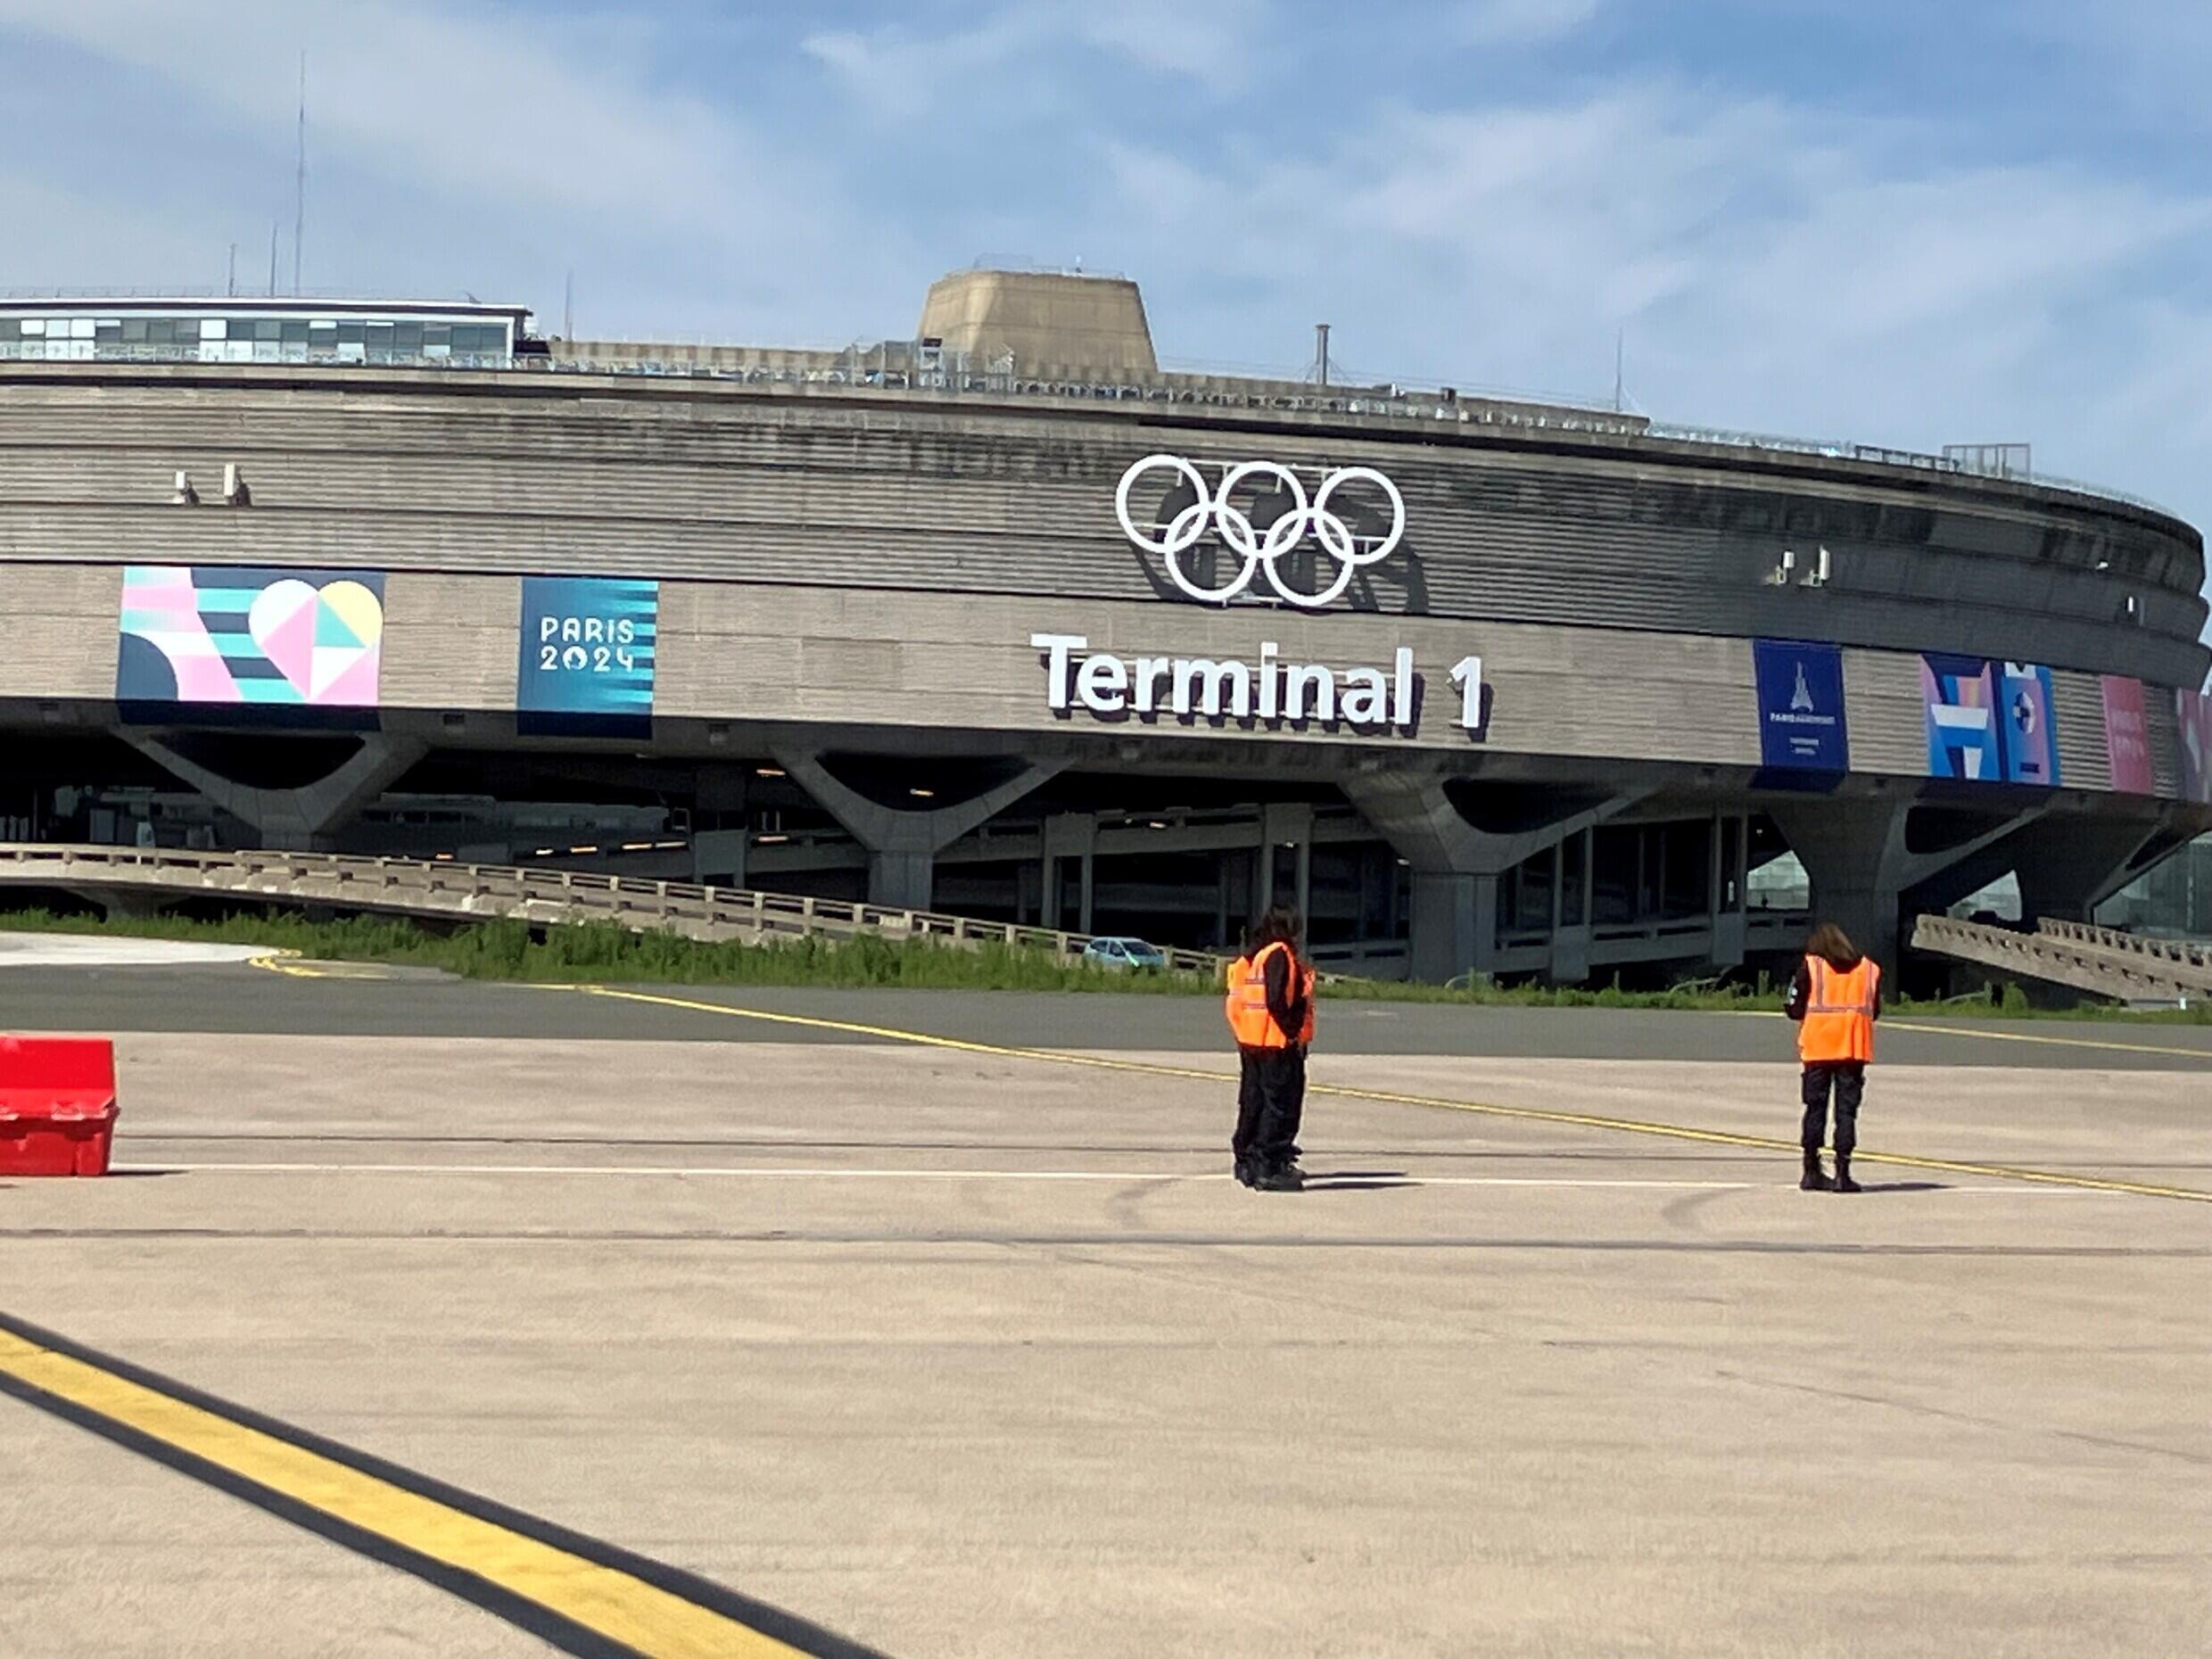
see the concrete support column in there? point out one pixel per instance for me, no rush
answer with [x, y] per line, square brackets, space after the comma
[1455, 924]
[1861, 867]
[123, 903]
[903, 846]
[1727, 912]
[901, 880]
[1456, 868]
[2066, 869]
[718, 856]
[1570, 939]
[293, 819]
[1070, 836]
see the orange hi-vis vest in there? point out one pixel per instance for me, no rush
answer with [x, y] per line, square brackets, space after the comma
[1839, 1014]
[1246, 1005]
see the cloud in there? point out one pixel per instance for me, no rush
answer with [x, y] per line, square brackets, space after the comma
[525, 148]
[1770, 269]
[1499, 22]
[1029, 57]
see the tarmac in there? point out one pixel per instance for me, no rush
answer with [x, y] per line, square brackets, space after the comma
[950, 1335]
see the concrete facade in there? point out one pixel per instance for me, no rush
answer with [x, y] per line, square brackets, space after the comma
[852, 581]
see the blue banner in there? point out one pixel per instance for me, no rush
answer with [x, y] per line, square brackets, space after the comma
[2031, 742]
[587, 645]
[1989, 722]
[1802, 722]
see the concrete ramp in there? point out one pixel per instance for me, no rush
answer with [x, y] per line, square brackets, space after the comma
[2100, 960]
[150, 877]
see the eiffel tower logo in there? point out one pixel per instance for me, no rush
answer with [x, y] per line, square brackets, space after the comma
[1801, 700]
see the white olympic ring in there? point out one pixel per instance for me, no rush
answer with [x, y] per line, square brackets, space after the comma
[1261, 550]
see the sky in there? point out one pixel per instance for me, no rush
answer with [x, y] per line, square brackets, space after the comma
[1881, 221]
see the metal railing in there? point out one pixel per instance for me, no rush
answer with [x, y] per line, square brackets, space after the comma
[447, 890]
[1394, 404]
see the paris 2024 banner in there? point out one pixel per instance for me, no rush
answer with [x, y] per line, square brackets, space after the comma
[1989, 722]
[240, 634]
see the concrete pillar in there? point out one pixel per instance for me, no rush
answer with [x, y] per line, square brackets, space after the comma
[1726, 913]
[1448, 914]
[718, 856]
[1861, 868]
[2066, 867]
[901, 880]
[124, 904]
[1456, 868]
[298, 819]
[903, 846]
[1069, 836]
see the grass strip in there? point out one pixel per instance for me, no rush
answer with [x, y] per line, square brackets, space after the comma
[600, 952]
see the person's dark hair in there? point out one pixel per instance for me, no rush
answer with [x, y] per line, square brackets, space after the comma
[1279, 926]
[1833, 945]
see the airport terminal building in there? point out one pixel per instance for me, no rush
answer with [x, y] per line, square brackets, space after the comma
[1006, 620]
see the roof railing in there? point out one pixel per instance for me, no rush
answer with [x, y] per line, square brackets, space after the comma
[1395, 404]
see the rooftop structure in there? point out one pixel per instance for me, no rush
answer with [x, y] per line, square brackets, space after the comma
[233, 328]
[1042, 318]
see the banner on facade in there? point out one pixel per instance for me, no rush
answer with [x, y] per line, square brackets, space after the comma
[2029, 746]
[2193, 714]
[1801, 723]
[1989, 722]
[236, 634]
[1960, 698]
[588, 646]
[2127, 736]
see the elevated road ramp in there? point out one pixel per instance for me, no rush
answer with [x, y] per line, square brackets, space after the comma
[147, 879]
[2103, 961]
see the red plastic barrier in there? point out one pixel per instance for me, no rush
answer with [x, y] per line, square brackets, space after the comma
[57, 1105]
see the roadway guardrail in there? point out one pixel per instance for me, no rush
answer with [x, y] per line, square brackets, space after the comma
[2101, 961]
[448, 889]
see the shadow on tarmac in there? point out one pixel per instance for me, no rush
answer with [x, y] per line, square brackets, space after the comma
[1358, 1181]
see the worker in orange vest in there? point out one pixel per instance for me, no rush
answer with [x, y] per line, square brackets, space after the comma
[1836, 998]
[1270, 1008]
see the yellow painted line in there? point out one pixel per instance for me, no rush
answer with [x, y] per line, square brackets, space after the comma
[1524, 1114]
[2202, 1056]
[283, 961]
[609, 1604]
[1891, 1023]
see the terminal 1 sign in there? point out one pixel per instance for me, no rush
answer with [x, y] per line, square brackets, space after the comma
[1266, 692]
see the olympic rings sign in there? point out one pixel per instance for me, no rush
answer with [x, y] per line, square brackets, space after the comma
[1214, 507]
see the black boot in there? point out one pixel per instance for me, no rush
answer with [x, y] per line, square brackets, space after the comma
[1282, 1177]
[1843, 1183]
[1815, 1178]
[1247, 1170]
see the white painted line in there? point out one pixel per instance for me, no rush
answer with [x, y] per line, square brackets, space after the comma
[1321, 1177]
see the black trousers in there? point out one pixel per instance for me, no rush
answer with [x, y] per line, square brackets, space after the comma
[1270, 1102]
[1847, 1078]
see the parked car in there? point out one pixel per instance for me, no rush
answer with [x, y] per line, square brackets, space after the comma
[1125, 954]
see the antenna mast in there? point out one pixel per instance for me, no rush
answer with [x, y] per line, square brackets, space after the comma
[299, 209]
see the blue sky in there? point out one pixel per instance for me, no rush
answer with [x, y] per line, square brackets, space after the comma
[1896, 223]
